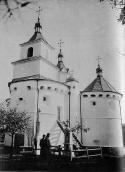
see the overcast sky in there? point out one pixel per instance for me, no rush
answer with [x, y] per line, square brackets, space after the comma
[88, 28]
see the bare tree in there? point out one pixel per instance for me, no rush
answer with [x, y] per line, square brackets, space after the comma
[119, 4]
[8, 7]
[12, 122]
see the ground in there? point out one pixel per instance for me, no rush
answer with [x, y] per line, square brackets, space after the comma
[36, 164]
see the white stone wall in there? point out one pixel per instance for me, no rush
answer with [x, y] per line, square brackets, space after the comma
[27, 68]
[62, 76]
[74, 102]
[48, 70]
[39, 49]
[51, 96]
[36, 49]
[101, 117]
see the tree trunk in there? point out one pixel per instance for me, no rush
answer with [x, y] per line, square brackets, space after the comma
[12, 145]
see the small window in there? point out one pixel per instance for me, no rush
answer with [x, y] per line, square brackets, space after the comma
[30, 52]
[44, 98]
[92, 95]
[93, 103]
[96, 141]
[85, 95]
[20, 99]
[100, 95]
[49, 88]
[29, 87]
[41, 87]
[107, 95]
[15, 88]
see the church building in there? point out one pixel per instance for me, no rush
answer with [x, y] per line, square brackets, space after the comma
[48, 92]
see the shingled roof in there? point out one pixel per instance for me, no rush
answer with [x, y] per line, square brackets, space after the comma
[100, 84]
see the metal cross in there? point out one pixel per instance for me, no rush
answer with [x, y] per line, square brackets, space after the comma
[98, 59]
[60, 44]
[39, 12]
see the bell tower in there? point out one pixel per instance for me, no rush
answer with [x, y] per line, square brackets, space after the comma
[36, 57]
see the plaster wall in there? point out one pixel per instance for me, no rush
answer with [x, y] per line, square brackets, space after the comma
[51, 96]
[105, 107]
[25, 69]
[62, 76]
[36, 49]
[48, 70]
[74, 103]
[101, 119]
[102, 132]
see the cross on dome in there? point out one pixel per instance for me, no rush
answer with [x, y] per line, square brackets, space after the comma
[99, 59]
[39, 12]
[99, 69]
[60, 44]
[38, 26]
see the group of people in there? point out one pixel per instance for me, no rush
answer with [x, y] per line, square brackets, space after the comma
[45, 146]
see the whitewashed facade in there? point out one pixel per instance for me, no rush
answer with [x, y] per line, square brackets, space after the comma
[49, 93]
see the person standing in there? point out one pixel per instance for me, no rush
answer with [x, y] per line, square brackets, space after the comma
[42, 146]
[47, 146]
[35, 143]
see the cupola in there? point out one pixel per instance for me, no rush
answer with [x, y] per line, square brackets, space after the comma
[60, 63]
[99, 70]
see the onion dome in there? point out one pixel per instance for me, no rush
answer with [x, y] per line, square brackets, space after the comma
[38, 26]
[60, 63]
[99, 70]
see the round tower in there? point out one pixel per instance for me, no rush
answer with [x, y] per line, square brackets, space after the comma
[101, 114]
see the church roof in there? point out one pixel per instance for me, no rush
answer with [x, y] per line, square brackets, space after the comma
[34, 77]
[38, 76]
[100, 84]
[37, 36]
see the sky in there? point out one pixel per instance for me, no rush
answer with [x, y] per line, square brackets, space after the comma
[88, 29]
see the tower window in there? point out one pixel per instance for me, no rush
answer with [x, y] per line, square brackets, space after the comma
[20, 99]
[15, 88]
[49, 88]
[29, 87]
[92, 95]
[44, 98]
[100, 95]
[30, 52]
[94, 103]
[41, 87]
[107, 95]
[85, 95]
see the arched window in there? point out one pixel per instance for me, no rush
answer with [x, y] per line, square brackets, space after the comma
[30, 52]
